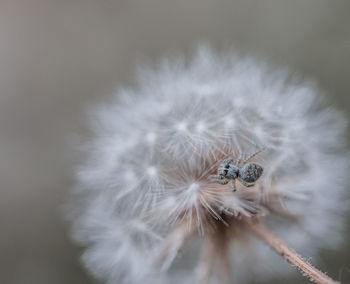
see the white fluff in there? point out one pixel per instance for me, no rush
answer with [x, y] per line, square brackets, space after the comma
[147, 169]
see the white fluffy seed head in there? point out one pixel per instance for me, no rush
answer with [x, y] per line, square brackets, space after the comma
[156, 146]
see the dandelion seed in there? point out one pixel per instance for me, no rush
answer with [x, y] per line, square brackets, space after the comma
[200, 127]
[229, 122]
[181, 127]
[152, 172]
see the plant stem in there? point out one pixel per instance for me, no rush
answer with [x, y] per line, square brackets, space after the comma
[304, 267]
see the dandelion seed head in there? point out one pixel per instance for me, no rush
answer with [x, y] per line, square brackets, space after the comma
[148, 169]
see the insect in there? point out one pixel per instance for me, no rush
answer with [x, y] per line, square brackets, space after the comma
[231, 170]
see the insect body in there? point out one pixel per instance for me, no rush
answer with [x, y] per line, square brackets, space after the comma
[229, 170]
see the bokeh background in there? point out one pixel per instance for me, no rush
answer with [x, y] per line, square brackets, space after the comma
[57, 57]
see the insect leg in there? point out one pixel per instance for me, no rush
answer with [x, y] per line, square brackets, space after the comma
[246, 184]
[219, 179]
[213, 176]
[233, 187]
[239, 160]
[253, 155]
[222, 181]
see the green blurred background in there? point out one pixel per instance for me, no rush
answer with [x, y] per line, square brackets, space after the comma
[58, 57]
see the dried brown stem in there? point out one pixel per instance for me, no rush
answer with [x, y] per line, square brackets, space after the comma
[306, 269]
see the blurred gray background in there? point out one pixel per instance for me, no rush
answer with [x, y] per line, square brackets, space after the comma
[59, 56]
